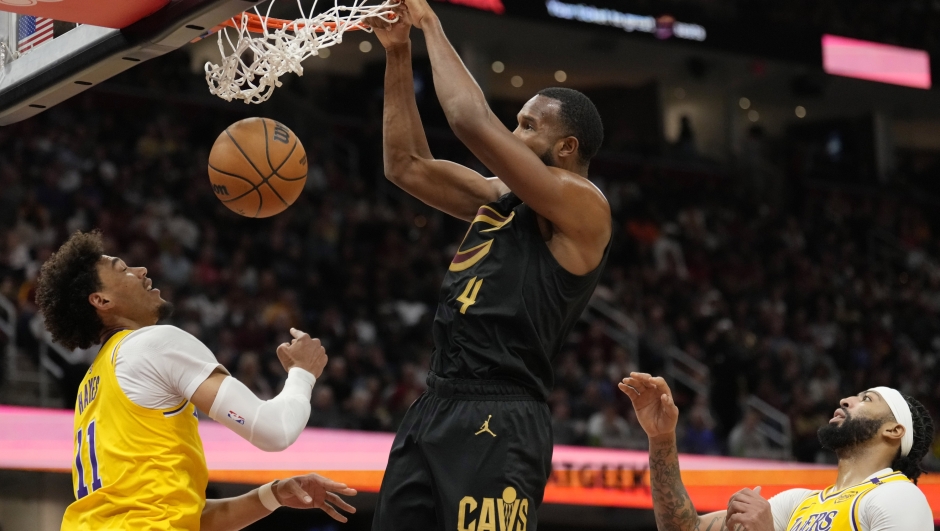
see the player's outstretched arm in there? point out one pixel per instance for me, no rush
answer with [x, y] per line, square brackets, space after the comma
[574, 206]
[449, 187]
[658, 415]
[275, 424]
[300, 492]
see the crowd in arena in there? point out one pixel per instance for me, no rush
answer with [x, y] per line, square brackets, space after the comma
[797, 301]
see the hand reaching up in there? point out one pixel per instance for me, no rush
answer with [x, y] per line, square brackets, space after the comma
[652, 400]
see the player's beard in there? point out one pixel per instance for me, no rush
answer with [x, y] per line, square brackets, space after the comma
[164, 311]
[548, 158]
[851, 433]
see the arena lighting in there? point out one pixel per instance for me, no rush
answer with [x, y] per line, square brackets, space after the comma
[496, 6]
[41, 439]
[663, 27]
[876, 62]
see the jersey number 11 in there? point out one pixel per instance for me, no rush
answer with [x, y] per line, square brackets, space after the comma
[92, 457]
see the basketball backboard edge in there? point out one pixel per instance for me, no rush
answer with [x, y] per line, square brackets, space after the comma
[87, 55]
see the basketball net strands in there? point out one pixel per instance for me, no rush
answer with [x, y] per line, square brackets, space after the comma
[113, 36]
[281, 46]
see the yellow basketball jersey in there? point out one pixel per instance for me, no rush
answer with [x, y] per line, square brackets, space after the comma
[827, 510]
[134, 468]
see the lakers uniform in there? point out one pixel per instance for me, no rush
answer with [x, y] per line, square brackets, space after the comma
[837, 511]
[133, 467]
[474, 452]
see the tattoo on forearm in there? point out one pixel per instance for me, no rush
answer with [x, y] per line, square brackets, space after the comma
[671, 504]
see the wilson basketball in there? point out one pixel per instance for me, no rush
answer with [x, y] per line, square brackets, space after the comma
[257, 167]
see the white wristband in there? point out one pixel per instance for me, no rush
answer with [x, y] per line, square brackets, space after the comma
[266, 495]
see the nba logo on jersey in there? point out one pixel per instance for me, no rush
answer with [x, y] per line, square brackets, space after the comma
[236, 417]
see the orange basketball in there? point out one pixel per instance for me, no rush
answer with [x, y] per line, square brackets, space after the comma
[257, 167]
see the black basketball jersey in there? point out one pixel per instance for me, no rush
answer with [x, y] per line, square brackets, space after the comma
[506, 305]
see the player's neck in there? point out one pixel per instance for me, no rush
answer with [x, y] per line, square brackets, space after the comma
[856, 465]
[115, 324]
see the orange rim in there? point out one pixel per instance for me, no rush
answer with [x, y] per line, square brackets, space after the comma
[257, 24]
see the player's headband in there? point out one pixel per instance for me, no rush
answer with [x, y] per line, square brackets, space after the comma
[902, 413]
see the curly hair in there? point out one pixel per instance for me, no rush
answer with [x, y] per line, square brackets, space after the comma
[911, 464]
[65, 281]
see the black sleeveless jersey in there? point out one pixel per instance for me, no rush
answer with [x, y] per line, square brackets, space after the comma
[506, 305]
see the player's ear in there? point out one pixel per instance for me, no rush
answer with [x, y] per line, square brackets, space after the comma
[569, 147]
[893, 430]
[100, 301]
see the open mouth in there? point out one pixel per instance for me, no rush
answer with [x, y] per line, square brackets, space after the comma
[149, 286]
[838, 415]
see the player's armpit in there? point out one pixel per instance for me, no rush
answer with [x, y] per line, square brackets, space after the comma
[573, 205]
[446, 186]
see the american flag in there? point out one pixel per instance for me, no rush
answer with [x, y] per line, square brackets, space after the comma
[32, 31]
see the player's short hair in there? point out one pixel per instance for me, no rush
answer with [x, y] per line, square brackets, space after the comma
[66, 280]
[911, 464]
[579, 118]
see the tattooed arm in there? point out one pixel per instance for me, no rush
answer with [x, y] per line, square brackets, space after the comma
[658, 415]
[671, 504]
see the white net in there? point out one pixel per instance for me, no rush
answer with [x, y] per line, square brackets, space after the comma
[251, 69]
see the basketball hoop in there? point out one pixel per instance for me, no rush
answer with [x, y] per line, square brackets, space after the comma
[281, 46]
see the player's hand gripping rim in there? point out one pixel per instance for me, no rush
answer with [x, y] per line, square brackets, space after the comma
[395, 33]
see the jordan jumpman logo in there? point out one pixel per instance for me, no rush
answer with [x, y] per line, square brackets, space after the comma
[485, 428]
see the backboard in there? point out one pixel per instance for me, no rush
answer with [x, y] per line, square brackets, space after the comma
[89, 54]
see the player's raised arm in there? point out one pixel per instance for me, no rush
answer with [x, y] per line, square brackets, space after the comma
[271, 425]
[557, 191]
[449, 187]
[658, 415]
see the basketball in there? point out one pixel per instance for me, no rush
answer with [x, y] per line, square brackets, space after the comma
[257, 167]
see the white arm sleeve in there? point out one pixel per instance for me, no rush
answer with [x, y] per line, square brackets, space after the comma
[271, 425]
[783, 504]
[897, 506]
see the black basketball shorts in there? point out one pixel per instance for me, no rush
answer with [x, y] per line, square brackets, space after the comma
[470, 454]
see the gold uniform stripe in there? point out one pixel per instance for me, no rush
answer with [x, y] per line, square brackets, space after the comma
[477, 252]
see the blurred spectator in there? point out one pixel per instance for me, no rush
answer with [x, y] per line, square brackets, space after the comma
[323, 412]
[608, 429]
[699, 436]
[746, 441]
[248, 372]
[565, 430]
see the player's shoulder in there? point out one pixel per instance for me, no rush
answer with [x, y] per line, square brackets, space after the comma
[894, 494]
[163, 344]
[159, 333]
[785, 502]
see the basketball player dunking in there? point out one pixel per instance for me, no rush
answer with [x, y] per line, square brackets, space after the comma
[476, 448]
[138, 461]
[879, 435]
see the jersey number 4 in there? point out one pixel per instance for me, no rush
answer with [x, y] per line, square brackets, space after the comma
[92, 458]
[469, 295]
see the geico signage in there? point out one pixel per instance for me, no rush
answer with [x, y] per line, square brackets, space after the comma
[604, 476]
